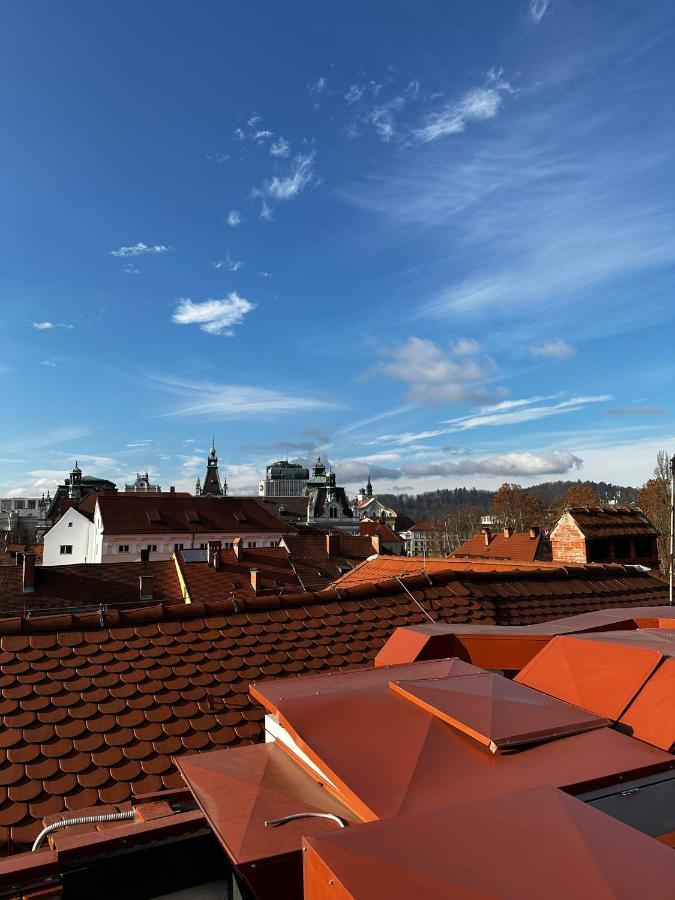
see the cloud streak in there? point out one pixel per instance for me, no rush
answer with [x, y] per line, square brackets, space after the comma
[141, 249]
[555, 349]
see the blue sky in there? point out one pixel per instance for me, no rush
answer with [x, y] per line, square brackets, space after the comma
[430, 240]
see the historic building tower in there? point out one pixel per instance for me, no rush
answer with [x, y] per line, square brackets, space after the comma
[212, 487]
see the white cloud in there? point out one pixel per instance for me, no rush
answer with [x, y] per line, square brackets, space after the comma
[213, 316]
[136, 444]
[435, 374]
[354, 94]
[47, 326]
[49, 362]
[265, 274]
[263, 135]
[297, 176]
[280, 147]
[232, 265]
[130, 269]
[475, 105]
[140, 249]
[317, 87]
[555, 349]
[538, 9]
[209, 401]
[266, 211]
[233, 218]
[556, 462]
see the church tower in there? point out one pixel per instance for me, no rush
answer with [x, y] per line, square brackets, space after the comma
[212, 486]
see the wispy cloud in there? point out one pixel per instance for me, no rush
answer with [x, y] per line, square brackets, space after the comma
[50, 363]
[141, 249]
[130, 269]
[134, 445]
[213, 316]
[47, 326]
[317, 87]
[476, 104]
[234, 218]
[287, 184]
[280, 147]
[555, 349]
[230, 264]
[435, 374]
[555, 462]
[635, 411]
[208, 400]
[538, 9]
[377, 417]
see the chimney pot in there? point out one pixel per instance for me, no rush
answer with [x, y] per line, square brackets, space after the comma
[534, 533]
[237, 547]
[254, 580]
[332, 543]
[145, 584]
[172, 489]
[507, 532]
[377, 543]
[213, 554]
[28, 573]
[18, 558]
[486, 536]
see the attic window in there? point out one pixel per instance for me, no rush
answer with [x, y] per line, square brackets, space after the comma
[240, 517]
[154, 516]
[192, 516]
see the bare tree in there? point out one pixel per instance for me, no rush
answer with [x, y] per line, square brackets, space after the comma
[654, 501]
[516, 508]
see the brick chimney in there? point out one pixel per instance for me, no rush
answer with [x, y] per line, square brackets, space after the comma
[28, 573]
[507, 532]
[145, 583]
[255, 574]
[534, 533]
[238, 549]
[213, 549]
[332, 544]
[376, 542]
[172, 489]
[486, 536]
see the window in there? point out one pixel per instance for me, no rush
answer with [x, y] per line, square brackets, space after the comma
[66, 549]
[123, 548]
[70, 524]
[333, 512]
[19, 504]
[31, 504]
[151, 547]
[203, 546]
[251, 544]
[177, 547]
[227, 545]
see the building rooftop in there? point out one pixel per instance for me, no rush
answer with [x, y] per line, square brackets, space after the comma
[612, 521]
[521, 546]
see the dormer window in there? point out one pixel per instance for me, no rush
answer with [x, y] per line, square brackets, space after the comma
[333, 513]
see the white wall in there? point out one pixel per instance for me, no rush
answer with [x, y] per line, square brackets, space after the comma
[108, 545]
[75, 530]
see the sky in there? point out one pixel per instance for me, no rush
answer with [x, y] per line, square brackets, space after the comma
[431, 241]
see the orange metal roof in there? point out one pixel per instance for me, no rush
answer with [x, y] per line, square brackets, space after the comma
[387, 756]
[523, 846]
[591, 672]
[497, 712]
[651, 715]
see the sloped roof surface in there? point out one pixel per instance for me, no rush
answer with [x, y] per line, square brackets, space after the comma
[239, 792]
[380, 567]
[523, 846]
[130, 514]
[651, 715]
[518, 547]
[392, 766]
[86, 585]
[233, 578]
[590, 672]
[612, 522]
[315, 567]
[384, 532]
[495, 711]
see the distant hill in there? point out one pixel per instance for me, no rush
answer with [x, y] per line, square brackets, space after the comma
[442, 503]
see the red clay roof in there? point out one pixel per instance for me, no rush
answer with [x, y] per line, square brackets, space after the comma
[137, 513]
[233, 577]
[315, 566]
[372, 570]
[523, 846]
[609, 522]
[107, 584]
[519, 546]
[384, 532]
[92, 713]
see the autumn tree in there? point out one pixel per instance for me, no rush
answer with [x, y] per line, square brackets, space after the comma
[654, 501]
[516, 508]
[579, 494]
[461, 524]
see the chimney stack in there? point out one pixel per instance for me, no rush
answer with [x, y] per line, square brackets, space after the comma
[145, 554]
[238, 550]
[145, 583]
[28, 573]
[534, 533]
[377, 543]
[213, 549]
[18, 558]
[507, 532]
[172, 489]
[254, 580]
[486, 536]
[332, 544]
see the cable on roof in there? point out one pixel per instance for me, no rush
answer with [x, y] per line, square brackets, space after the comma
[415, 600]
[82, 820]
[275, 823]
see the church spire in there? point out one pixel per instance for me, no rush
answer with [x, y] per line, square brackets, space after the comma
[212, 486]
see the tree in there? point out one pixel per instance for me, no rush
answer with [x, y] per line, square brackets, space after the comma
[517, 508]
[580, 494]
[654, 501]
